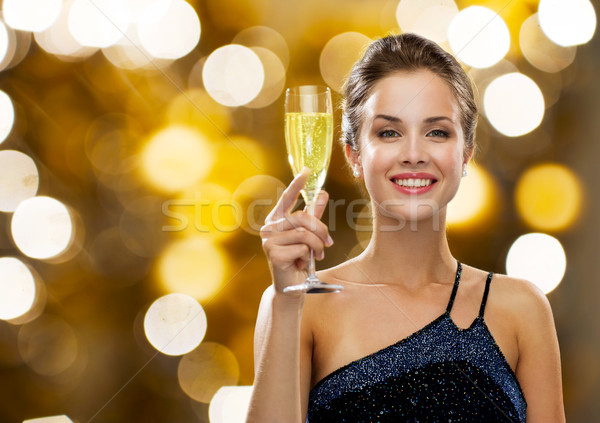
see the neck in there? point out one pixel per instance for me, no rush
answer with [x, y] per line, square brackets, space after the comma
[414, 254]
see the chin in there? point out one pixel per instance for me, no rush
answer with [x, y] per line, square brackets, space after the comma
[418, 215]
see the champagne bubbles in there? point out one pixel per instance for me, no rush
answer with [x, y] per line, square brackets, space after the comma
[175, 324]
[514, 104]
[233, 75]
[7, 111]
[31, 15]
[539, 258]
[479, 37]
[19, 179]
[17, 288]
[42, 227]
[567, 22]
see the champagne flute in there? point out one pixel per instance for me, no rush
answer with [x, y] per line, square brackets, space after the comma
[309, 138]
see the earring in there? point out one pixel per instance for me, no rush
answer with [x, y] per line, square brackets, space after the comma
[464, 171]
[356, 172]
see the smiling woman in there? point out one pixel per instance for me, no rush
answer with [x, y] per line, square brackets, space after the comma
[385, 349]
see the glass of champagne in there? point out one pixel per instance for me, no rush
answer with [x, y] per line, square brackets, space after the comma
[309, 138]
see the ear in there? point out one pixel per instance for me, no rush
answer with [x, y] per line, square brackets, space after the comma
[352, 156]
[468, 159]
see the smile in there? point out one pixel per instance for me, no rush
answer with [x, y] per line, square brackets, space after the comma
[410, 183]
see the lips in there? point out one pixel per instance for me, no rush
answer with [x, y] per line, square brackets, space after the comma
[414, 182]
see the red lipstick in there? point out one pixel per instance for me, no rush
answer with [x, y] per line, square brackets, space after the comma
[411, 180]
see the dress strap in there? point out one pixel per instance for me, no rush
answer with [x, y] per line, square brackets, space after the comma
[455, 287]
[485, 293]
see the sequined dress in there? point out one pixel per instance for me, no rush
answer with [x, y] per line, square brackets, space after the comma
[440, 373]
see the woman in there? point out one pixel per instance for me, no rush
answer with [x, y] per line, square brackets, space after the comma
[415, 335]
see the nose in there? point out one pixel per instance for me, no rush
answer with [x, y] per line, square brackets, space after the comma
[413, 151]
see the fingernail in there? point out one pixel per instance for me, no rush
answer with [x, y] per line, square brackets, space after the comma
[329, 241]
[321, 255]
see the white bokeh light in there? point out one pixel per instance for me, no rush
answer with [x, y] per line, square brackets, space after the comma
[233, 75]
[514, 104]
[50, 419]
[100, 23]
[538, 258]
[7, 115]
[175, 324]
[31, 15]
[42, 227]
[479, 37]
[429, 18]
[169, 30]
[19, 179]
[4, 40]
[17, 288]
[230, 404]
[567, 22]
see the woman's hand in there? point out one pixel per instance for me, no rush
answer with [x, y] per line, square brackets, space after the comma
[287, 238]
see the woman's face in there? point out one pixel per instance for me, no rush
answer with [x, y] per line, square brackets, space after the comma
[411, 146]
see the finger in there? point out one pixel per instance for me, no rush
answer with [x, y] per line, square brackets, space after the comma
[321, 203]
[290, 195]
[297, 237]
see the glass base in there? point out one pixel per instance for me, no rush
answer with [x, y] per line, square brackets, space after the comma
[314, 286]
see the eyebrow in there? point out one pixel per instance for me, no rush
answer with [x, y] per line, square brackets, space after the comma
[431, 119]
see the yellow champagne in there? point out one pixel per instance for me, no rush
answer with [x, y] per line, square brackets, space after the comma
[308, 138]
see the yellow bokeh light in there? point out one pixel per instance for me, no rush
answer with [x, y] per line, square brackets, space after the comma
[257, 196]
[540, 51]
[128, 53]
[50, 419]
[549, 197]
[194, 266]
[100, 23]
[478, 36]
[207, 209]
[48, 345]
[176, 158]
[230, 404]
[7, 115]
[175, 324]
[274, 78]
[538, 258]
[20, 179]
[473, 198]
[42, 227]
[514, 104]
[567, 22]
[198, 109]
[429, 18]
[169, 30]
[17, 288]
[233, 75]
[205, 370]
[31, 15]
[263, 36]
[339, 55]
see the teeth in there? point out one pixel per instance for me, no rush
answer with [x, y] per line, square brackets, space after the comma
[413, 183]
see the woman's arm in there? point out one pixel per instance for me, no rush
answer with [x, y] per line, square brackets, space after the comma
[538, 369]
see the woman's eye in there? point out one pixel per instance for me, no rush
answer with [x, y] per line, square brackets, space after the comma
[388, 134]
[439, 133]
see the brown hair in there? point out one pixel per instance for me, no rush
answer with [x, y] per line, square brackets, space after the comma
[406, 52]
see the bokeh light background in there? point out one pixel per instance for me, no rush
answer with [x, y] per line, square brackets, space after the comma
[141, 147]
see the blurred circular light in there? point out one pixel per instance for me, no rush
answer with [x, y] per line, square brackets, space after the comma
[567, 22]
[100, 23]
[19, 179]
[128, 53]
[479, 36]
[17, 288]
[257, 195]
[31, 15]
[230, 404]
[339, 55]
[176, 158]
[48, 345]
[169, 30]
[429, 18]
[205, 370]
[175, 324]
[193, 266]
[4, 41]
[7, 115]
[540, 51]
[473, 197]
[18, 47]
[42, 227]
[198, 109]
[538, 258]
[514, 104]
[263, 36]
[238, 159]
[51, 419]
[233, 75]
[274, 78]
[549, 197]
